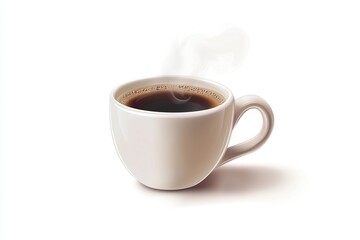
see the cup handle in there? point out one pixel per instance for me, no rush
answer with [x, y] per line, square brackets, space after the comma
[243, 104]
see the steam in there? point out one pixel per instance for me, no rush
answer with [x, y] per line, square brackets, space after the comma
[196, 55]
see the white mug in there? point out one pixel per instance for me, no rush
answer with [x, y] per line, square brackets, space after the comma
[171, 151]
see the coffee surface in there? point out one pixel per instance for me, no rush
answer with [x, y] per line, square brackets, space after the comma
[171, 98]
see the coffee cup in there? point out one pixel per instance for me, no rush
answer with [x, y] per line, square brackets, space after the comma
[171, 132]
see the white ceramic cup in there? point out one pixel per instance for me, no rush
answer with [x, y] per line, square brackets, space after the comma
[171, 151]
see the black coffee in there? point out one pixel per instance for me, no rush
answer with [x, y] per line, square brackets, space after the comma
[171, 98]
[166, 101]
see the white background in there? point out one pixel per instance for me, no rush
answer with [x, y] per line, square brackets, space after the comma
[62, 179]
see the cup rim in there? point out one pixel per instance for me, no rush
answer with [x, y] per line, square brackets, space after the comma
[228, 99]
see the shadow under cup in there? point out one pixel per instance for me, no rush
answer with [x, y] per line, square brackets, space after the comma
[171, 150]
